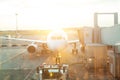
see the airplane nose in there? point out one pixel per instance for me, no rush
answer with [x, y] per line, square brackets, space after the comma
[57, 45]
[57, 40]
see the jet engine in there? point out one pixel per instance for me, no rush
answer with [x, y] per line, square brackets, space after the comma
[32, 48]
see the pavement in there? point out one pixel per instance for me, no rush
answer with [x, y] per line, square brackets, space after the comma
[16, 64]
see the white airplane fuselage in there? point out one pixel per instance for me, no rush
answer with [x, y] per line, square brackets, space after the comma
[56, 40]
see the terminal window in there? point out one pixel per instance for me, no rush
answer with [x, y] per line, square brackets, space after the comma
[106, 20]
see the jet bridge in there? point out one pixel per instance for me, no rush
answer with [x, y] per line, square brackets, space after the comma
[99, 36]
[110, 37]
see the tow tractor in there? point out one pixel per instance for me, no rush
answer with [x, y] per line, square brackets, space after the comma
[52, 72]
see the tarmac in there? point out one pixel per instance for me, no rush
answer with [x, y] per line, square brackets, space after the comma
[17, 64]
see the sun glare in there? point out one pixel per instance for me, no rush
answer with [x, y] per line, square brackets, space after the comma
[50, 14]
[52, 18]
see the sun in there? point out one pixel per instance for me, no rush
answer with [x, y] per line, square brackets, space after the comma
[53, 15]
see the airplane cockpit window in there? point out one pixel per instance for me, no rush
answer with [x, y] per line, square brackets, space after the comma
[53, 38]
[57, 38]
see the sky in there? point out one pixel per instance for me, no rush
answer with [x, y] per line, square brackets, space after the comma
[47, 14]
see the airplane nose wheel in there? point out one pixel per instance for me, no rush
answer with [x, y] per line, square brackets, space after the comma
[58, 58]
[74, 50]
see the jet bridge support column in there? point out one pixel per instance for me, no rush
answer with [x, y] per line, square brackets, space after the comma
[81, 39]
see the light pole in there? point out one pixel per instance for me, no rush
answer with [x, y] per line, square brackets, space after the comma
[16, 24]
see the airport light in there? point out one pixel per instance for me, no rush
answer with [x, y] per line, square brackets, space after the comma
[90, 59]
[51, 74]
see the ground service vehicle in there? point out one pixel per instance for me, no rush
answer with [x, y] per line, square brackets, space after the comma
[54, 72]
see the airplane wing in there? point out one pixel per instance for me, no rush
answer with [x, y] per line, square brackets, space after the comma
[26, 40]
[30, 40]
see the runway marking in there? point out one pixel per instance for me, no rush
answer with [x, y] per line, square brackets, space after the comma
[12, 57]
[31, 72]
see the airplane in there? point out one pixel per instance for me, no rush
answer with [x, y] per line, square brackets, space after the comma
[56, 41]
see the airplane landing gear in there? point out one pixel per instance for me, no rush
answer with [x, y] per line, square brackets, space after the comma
[58, 58]
[74, 50]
